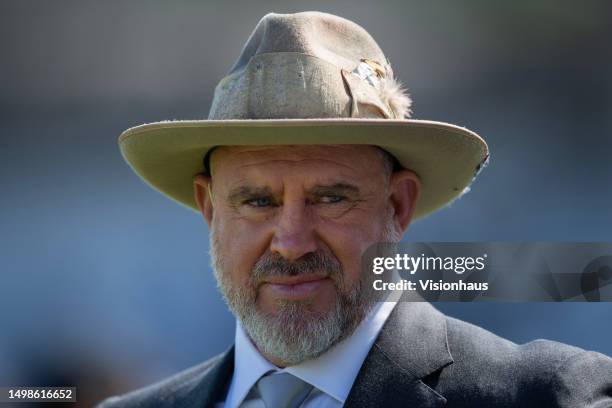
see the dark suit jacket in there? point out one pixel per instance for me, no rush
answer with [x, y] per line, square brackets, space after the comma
[423, 358]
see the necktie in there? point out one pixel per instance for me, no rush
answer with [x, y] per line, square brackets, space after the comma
[282, 390]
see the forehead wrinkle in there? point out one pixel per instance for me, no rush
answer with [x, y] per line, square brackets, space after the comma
[248, 166]
[313, 186]
[334, 182]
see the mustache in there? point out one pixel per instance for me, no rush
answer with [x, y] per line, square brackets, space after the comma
[273, 264]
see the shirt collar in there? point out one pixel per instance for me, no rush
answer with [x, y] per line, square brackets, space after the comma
[333, 372]
[249, 366]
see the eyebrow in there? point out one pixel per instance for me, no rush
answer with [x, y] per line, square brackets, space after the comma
[335, 188]
[245, 192]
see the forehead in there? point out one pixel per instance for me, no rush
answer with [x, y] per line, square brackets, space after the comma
[334, 160]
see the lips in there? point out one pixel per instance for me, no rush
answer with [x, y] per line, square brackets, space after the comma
[296, 286]
[294, 280]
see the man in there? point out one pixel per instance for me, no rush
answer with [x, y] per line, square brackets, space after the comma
[293, 204]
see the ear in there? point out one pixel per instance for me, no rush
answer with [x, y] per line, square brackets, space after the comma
[202, 189]
[404, 191]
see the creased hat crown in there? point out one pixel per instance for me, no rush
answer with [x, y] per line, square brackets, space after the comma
[309, 65]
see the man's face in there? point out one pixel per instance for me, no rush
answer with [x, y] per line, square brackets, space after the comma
[289, 225]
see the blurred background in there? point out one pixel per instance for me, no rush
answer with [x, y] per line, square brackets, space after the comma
[106, 284]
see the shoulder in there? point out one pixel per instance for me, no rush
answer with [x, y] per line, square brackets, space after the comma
[473, 344]
[176, 390]
[541, 372]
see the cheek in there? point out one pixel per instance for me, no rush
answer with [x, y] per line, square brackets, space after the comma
[241, 243]
[349, 240]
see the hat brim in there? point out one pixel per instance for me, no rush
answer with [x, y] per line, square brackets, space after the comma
[167, 155]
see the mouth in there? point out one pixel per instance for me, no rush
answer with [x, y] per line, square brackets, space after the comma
[295, 287]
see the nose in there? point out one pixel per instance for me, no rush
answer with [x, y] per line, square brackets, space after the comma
[294, 234]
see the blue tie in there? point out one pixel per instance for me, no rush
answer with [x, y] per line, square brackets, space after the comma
[282, 390]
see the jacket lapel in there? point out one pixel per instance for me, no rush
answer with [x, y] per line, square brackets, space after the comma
[411, 346]
[212, 387]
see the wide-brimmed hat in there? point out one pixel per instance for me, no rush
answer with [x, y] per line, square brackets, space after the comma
[309, 78]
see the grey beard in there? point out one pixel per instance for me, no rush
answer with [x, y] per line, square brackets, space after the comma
[295, 333]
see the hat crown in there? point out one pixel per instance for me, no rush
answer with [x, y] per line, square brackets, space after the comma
[309, 65]
[326, 36]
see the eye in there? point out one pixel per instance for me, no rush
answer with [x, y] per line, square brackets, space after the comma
[332, 199]
[259, 202]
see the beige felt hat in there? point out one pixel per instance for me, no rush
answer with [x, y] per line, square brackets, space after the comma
[309, 78]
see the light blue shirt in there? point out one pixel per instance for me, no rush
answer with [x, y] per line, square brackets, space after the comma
[332, 374]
